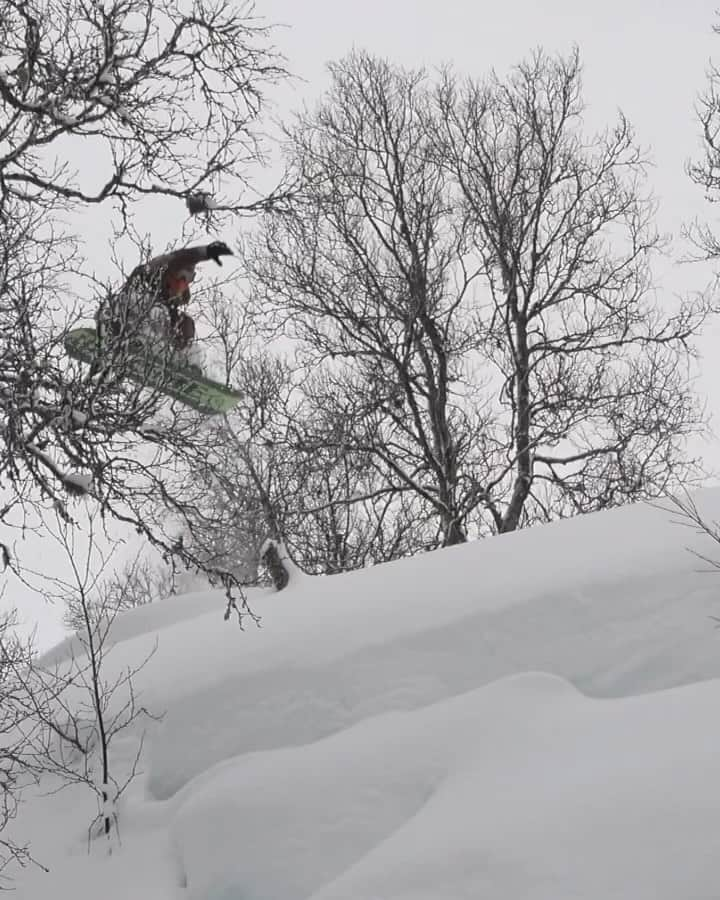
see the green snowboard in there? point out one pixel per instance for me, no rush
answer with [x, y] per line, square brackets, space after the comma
[182, 383]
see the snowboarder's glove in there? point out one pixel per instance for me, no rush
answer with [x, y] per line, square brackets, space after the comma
[218, 249]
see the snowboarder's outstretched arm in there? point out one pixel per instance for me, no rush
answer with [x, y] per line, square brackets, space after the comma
[167, 276]
[188, 257]
[179, 264]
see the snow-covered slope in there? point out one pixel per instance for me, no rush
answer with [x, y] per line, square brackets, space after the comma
[472, 722]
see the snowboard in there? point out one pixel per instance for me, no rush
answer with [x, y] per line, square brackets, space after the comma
[181, 382]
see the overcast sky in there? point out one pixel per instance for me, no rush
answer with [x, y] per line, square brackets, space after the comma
[646, 57]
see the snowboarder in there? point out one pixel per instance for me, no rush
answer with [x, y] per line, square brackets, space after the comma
[149, 302]
[161, 283]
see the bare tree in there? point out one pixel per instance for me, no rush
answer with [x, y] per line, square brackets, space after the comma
[705, 171]
[165, 94]
[349, 515]
[472, 276]
[18, 731]
[274, 474]
[372, 272]
[75, 708]
[104, 105]
[594, 373]
[138, 582]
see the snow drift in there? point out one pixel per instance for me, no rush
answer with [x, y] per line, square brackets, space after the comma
[520, 717]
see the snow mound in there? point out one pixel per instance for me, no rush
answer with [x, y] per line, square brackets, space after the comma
[522, 789]
[380, 736]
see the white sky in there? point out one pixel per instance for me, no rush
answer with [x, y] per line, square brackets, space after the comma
[646, 57]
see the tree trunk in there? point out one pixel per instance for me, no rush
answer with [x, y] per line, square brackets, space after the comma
[271, 558]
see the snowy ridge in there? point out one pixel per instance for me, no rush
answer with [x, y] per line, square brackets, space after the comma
[435, 727]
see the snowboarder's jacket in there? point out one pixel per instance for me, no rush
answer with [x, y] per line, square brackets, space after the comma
[162, 281]
[170, 274]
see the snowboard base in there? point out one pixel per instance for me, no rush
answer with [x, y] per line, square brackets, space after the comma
[148, 369]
